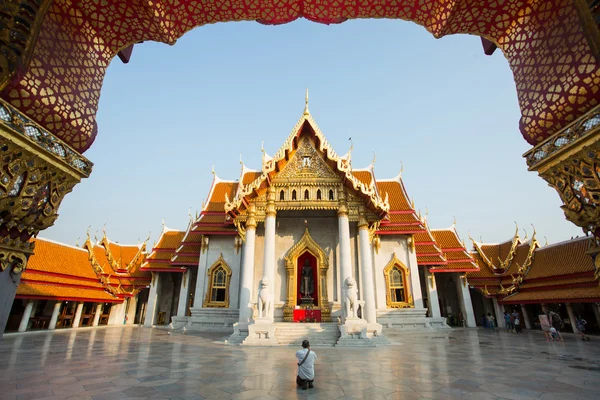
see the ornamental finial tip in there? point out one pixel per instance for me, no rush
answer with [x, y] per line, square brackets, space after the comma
[306, 112]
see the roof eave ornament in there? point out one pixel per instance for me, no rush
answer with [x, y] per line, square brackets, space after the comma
[306, 111]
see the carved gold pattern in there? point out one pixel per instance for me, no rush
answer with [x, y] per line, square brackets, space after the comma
[395, 262]
[570, 163]
[213, 268]
[270, 164]
[306, 243]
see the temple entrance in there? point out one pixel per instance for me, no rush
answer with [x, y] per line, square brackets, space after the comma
[306, 268]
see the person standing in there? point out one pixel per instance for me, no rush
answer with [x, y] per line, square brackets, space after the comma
[507, 321]
[556, 322]
[306, 366]
[581, 323]
[491, 322]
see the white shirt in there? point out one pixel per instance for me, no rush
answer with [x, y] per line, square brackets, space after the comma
[306, 370]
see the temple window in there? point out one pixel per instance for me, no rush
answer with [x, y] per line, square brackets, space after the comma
[294, 195]
[281, 196]
[331, 194]
[319, 194]
[306, 195]
[397, 295]
[305, 161]
[218, 291]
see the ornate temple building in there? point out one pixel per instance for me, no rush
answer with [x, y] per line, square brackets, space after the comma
[306, 246]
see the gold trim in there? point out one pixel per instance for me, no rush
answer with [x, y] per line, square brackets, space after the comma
[217, 304]
[395, 262]
[306, 243]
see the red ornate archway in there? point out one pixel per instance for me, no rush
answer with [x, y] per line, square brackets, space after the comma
[545, 42]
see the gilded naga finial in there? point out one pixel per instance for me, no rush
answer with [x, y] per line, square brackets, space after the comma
[374, 159]
[77, 242]
[241, 162]
[306, 112]
[213, 170]
[516, 229]
[526, 234]
[453, 221]
[546, 244]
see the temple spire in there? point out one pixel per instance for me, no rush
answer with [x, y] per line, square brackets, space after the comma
[306, 112]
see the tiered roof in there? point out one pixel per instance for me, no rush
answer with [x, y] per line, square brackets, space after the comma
[118, 266]
[458, 259]
[159, 260]
[61, 272]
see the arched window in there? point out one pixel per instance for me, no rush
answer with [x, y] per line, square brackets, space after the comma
[294, 194]
[282, 195]
[331, 194]
[319, 194]
[306, 196]
[218, 288]
[397, 295]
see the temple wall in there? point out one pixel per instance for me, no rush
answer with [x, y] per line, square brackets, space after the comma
[219, 245]
[390, 244]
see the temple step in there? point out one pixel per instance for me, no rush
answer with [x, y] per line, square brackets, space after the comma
[318, 334]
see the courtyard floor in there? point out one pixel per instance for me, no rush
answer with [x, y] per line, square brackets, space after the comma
[135, 362]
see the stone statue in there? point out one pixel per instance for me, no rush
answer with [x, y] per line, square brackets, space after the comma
[351, 298]
[265, 302]
[307, 285]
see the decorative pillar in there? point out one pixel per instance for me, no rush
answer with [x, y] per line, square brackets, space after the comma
[151, 309]
[37, 165]
[247, 273]
[97, 314]
[572, 317]
[54, 317]
[26, 316]
[526, 319]
[344, 243]
[131, 309]
[269, 249]
[184, 294]
[498, 310]
[464, 299]
[432, 294]
[78, 312]
[366, 260]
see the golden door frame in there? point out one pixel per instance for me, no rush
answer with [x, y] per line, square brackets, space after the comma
[307, 243]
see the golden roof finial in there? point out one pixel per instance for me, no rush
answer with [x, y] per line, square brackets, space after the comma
[454, 221]
[546, 244]
[213, 170]
[241, 162]
[526, 234]
[374, 159]
[401, 168]
[306, 112]
[412, 203]
[77, 242]
[163, 223]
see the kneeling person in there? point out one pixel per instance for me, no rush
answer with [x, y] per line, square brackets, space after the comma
[306, 366]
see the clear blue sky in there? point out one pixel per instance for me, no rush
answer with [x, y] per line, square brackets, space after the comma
[442, 107]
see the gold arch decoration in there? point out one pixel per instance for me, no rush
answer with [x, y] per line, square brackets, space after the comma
[305, 244]
[387, 272]
[209, 301]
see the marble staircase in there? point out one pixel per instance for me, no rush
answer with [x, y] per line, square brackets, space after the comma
[318, 334]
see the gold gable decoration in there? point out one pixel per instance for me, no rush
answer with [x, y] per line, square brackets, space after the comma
[306, 243]
[342, 164]
[307, 164]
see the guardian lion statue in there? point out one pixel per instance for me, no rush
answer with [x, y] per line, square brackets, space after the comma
[265, 302]
[351, 302]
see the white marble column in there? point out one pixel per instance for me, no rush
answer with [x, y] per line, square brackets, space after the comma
[78, 312]
[464, 300]
[366, 260]
[499, 311]
[151, 309]
[247, 273]
[184, 294]
[130, 312]
[572, 318]
[432, 294]
[596, 308]
[526, 319]
[26, 316]
[415, 279]
[269, 248]
[54, 317]
[344, 243]
[97, 314]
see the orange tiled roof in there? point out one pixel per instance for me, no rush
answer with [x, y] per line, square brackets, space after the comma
[561, 259]
[364, 176]
[59, 271]
[584, 294]
[397, 195]
[250, 177]
[216, 202]
[164, 250]
[455, 253]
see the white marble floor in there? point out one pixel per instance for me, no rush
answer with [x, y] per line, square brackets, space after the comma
[135, 362]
